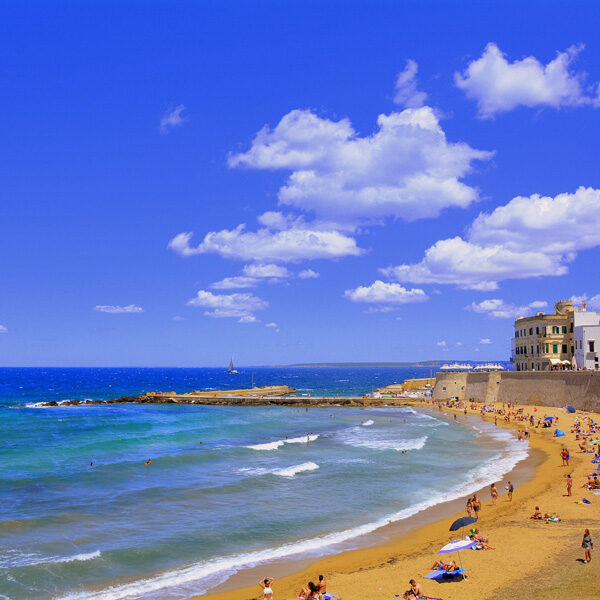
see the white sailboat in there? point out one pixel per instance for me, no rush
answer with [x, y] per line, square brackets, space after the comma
[231, 369]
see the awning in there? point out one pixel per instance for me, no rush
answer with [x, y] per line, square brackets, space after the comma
[566, 362]
[555, 361]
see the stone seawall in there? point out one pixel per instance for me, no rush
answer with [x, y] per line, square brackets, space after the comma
[552, 388]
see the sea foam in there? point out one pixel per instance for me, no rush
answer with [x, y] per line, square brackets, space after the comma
[278, 443]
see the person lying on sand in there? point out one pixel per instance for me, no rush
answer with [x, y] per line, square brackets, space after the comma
[480, 543]
[537, 515]
[448, 567]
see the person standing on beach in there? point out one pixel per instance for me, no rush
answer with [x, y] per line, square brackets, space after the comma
[511, 489]
[588, 545]
[569, 484]
[476, 505]
[494, 493]
[469, 507]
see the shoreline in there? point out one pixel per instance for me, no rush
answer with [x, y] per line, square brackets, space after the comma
[382, 546]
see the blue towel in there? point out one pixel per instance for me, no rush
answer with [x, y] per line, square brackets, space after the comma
[442, 574]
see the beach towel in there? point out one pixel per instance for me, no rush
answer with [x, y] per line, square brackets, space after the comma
[443, 574]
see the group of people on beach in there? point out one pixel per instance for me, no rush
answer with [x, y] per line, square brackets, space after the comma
[311, 591]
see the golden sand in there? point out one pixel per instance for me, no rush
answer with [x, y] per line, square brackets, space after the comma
[532, 559]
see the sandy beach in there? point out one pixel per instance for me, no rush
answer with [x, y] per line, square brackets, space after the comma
[531, 559]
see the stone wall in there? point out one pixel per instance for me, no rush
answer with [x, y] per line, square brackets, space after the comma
[450, 384]
[552, 388]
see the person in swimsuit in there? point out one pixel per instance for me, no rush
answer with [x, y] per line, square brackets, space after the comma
[267, 586]
[476, 506]
[511, 489]
[494, 493]
[588, 545]
[569, 484]
[469, 507]
[322, 585]
[448, 567]
[416, 589]
[537, 515]
[148, 462]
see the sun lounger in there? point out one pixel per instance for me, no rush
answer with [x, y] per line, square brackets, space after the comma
[443, 574]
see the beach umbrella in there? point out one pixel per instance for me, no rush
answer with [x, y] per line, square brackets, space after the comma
[548, 418]
[458, 545]
[559, 433]
[462, 522]
[571, 409]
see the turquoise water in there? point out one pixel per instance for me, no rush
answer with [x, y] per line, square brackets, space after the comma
[254, 490]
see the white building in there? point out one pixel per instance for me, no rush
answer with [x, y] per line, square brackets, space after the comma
[587, 340]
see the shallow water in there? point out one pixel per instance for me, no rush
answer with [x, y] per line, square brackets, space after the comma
[253, 491]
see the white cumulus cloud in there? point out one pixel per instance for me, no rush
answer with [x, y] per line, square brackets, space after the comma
[253, 274]
[3, 329]
[299, 241]
[496, 308]
[531, 236]
[172, 118]
[499, 85]
[308, 274]
[406, 169]
[130, 308]
[407, 94]
[441, 344]
[485, 341]
[380, 292]
[239, 305]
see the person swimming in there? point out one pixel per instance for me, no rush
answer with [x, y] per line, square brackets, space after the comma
[148, 462]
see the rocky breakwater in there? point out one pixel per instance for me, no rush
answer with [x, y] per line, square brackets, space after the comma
[257, 395]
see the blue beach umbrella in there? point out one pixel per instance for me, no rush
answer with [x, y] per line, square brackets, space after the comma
[548, 418]
[559, 433]
[462, 522]
[571, 409]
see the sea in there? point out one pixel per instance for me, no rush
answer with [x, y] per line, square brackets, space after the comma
[82, 517]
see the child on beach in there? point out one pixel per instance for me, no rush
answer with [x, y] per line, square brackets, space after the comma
[469, 507]
[537, 515]
[569, 484]
[511, 488]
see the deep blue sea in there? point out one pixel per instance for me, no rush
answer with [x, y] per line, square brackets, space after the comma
[228, 488]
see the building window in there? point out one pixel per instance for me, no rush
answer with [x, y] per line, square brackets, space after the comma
[564, 348]
[532, 367]
[543, 331]
[517, 333]
[591, 345]
[532, 350]
[555, 348]
[531, 331]
[571, 328]
[554, 329]
[572, 350]
[537, 349]
[564, 329]
[537, 330]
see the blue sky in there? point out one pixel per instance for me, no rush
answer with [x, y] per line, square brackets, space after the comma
[127, 125]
